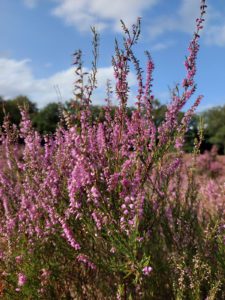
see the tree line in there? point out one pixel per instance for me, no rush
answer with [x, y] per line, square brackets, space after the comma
[46, 119]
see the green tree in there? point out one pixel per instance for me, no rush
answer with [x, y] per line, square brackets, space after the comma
[46, 120]
[11, 108]
[214, 120]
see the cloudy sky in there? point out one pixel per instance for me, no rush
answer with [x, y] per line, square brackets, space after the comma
[38, 37]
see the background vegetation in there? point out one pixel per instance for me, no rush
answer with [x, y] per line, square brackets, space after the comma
[45, 120]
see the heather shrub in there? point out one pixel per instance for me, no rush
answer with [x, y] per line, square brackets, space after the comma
[209, 164]
[109, 209]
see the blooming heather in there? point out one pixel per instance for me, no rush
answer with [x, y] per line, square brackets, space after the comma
[21, 279]
[108, 208]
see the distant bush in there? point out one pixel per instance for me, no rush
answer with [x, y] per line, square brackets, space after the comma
[208, 163]
[11, 108]
[215, 127]
[47, 119]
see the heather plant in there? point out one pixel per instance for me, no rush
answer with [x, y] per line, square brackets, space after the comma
[108, 209]
[209, 164]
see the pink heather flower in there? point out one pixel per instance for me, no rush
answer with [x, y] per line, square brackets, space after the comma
[45, 273]
[127, 200]
[131, 222]
[147, 270]
[113, 250]
[18, 259]
[179, 142]
[118, 159]
[21, 279]
[96, 195]
[140, 239]
[123, 206]
[69, 235]
[84, 259]
[96, 217]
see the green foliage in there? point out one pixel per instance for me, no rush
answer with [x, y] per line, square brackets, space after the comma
[47, 119]
[159, 111]
[215, 127]
[11, 108]
[191, 134]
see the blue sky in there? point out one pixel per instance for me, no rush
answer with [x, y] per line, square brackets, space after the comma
[38, 38]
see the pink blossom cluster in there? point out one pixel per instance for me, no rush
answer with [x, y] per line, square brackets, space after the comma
[99, 189]
[147, 271]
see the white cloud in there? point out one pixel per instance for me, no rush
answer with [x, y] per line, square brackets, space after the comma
[215, 35]
[187, 14]
[16, 78]
[102, 13]
[183, 20]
